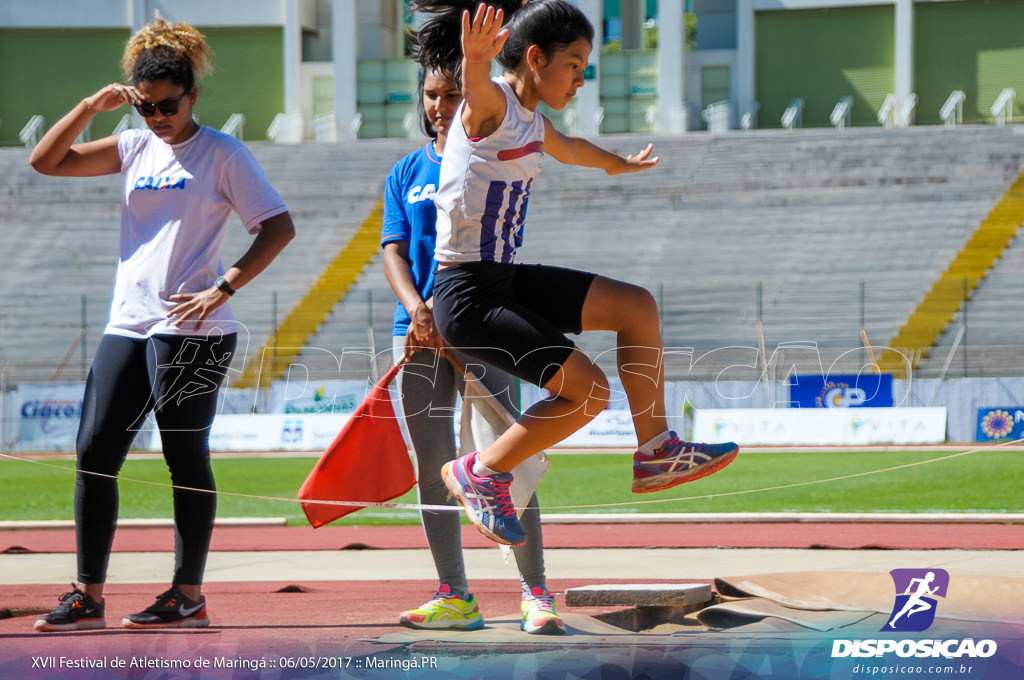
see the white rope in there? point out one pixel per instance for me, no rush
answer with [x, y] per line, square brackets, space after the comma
[360, 504]
[419, 506]
[789, 486]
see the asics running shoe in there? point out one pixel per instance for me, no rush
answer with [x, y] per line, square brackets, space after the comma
[677, 462]
[447, 611]
[172, 609]
[76, 611]
[539, 614]
[487, 500]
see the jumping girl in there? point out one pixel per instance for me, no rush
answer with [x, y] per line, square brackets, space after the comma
[171, 333]
[429, 382]
[515, 316]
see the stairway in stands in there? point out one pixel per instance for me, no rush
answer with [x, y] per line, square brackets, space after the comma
[954, 287]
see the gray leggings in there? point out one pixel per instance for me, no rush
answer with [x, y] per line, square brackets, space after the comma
[428, 385]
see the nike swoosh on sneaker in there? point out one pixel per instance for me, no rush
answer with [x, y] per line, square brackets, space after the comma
[190, 611]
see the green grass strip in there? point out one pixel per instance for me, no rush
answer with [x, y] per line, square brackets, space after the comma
[983, 481]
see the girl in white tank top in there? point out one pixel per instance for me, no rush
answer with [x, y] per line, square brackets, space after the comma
[515, 316]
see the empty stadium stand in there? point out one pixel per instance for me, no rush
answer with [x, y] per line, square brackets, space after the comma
[810, 236]
[777, 245]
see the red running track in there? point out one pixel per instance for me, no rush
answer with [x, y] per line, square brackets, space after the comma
[839, 535]
[279, 618]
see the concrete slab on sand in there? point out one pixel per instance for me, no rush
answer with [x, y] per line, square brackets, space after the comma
[638, 595]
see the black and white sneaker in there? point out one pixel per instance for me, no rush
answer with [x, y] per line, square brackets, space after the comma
[172, 609]
[76, 611]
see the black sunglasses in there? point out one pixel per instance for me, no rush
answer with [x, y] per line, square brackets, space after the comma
[168, 107]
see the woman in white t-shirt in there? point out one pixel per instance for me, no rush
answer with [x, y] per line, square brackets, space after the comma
[171, 334]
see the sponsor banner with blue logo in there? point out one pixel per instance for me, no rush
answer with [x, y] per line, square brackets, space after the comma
[307, 397]
[1000, 423]
[841, 391]
[48, 416]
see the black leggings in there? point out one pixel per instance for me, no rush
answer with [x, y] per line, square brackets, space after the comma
[513, 316]
[177, 378]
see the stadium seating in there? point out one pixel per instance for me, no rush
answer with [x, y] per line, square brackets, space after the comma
[960, 279]
[805, 218]
[783, 239]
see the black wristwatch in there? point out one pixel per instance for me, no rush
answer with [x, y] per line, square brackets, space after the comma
[224, 285]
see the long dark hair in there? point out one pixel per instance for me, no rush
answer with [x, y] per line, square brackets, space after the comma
[551, 25]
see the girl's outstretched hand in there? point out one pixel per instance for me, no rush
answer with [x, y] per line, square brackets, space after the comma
[640, 161]
[483, 39]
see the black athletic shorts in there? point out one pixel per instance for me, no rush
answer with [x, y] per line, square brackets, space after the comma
[513, 316]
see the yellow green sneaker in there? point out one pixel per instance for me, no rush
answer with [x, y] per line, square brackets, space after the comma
[539, 614]
[447, 611]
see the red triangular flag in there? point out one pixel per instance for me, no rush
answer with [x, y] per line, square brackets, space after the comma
[368, 461]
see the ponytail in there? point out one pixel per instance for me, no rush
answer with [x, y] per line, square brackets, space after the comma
[437, 45]
[551, 25]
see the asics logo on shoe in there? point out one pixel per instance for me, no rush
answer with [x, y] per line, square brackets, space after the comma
[677, 461]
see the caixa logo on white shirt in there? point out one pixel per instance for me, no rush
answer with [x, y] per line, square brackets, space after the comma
[422, 193]
[158, 183]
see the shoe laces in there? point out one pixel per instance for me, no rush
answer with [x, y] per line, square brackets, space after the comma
[673, 445]
[676, 448]
[443, 594]
[168, 599]
[73, 600]
[542, 599]
[503, 495]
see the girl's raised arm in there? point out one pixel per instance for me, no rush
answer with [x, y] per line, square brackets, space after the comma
[482, 40]
[56, 153]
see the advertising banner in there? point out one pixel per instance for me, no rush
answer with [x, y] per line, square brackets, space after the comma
[327, 396]
[48, 416]
[818, 427]
[841, 391]
[270, 432]
[315, 432]
[612, 429]
[1000, 423]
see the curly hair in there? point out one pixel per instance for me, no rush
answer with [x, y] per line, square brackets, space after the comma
[161, 50]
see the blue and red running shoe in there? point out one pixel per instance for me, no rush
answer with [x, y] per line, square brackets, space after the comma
[677, 462]
[486, 500]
